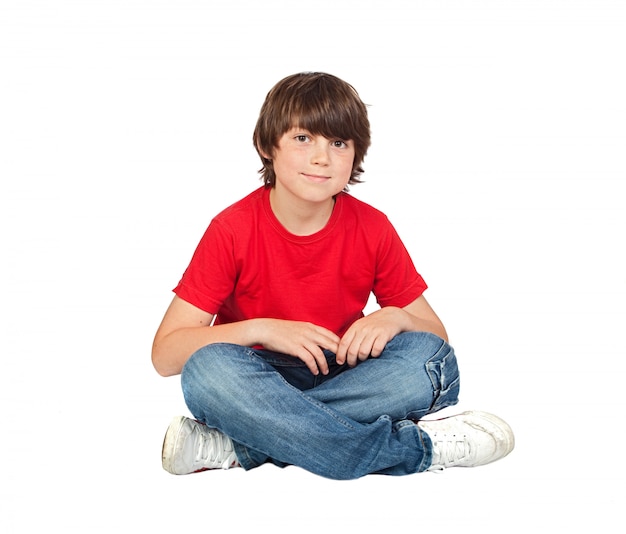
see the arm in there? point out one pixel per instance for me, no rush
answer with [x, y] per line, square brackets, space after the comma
[186, 328]
[424, 319]
[368, 336]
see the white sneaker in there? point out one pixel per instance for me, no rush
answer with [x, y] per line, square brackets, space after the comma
[468, 440]
[190, 446]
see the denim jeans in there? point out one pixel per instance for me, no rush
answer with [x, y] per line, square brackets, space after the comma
[344, 425]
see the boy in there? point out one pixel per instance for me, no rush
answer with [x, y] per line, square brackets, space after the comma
[277, 361]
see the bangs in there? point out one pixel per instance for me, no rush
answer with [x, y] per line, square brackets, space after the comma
[322, 105]
[318, 117]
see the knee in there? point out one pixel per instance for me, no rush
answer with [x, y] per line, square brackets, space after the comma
[196, 373]
[198, 365]
[205, 371]
[420, 346]
[207, 378]
[443, 371]
[437, 359]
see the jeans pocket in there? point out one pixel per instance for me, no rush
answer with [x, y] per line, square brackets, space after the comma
[443, 371]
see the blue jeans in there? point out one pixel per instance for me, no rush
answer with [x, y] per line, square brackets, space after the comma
[344, 425]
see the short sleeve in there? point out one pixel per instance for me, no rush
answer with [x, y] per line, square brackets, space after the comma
[210, 277]
[396, 282]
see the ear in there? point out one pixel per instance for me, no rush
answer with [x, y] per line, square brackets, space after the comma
[264, 154]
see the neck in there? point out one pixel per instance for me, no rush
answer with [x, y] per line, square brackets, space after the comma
[301, 217]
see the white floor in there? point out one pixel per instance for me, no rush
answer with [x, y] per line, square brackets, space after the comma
[498, 153]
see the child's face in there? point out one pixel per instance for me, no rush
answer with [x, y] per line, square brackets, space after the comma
[312, 167]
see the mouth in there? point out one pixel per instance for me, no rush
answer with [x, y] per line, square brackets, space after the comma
[317, 178]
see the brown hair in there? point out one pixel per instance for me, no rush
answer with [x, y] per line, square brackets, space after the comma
[319, 103]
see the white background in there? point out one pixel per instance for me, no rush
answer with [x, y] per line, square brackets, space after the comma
[498, 153]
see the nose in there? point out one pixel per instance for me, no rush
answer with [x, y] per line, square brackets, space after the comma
[320, 152]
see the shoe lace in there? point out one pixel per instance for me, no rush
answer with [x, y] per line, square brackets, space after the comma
[449, 449]
[214, 448]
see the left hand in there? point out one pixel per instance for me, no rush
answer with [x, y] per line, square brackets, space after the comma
[368, 336]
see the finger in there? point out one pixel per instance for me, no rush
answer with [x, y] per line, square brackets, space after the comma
[320, 359]
[364, 350]
[310, 361]
[356, 352]
[378, 347]
[344, 346]
[315, 360]
[329, 344]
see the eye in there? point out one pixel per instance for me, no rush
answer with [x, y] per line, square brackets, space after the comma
[302, 138]
[338, 143]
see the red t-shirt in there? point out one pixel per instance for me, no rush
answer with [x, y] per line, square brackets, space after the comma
[247, 265]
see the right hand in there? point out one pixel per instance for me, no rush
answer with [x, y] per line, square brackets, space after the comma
[301, 340]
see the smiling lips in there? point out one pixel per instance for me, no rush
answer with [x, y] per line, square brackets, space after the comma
[316, 177]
